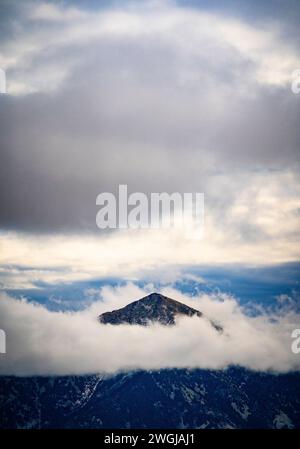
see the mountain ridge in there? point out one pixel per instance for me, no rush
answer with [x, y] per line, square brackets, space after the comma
[154, 307]
[169, 398]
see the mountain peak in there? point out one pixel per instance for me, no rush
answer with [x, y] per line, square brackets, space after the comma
[154, 307]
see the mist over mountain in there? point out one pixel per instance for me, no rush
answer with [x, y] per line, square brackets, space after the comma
[45, 342]
[167, 398]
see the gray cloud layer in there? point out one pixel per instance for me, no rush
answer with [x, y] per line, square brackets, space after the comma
[160, 98]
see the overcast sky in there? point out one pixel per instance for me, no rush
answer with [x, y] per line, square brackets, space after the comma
[163, 96]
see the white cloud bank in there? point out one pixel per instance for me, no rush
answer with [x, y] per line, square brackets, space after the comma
[40, 342]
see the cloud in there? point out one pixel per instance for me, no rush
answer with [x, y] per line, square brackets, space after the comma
[59, 27]
[40, 342]
[132, 95]
[259, 226]
[159, 96]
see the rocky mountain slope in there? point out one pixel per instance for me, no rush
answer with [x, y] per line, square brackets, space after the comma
[152, 308]
[233, 398]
